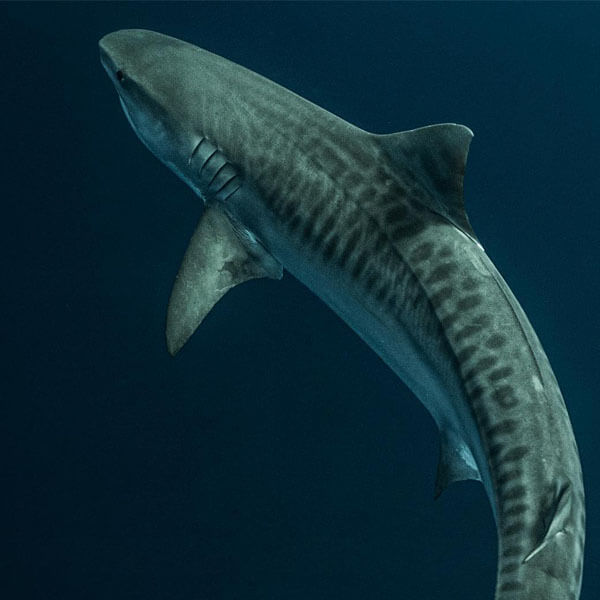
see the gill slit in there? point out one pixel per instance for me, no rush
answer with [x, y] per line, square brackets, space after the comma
[208, 158]
[217, 173]
[195, 150]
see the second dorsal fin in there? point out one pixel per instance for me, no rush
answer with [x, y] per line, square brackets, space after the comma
[437, 155]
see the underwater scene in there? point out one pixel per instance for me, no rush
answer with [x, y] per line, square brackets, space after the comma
[372, 414]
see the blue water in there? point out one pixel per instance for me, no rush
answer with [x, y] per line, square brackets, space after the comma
[276, 457]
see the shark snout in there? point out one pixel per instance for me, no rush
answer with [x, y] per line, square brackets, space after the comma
[119, 48]
[109, 55]
[130, 51]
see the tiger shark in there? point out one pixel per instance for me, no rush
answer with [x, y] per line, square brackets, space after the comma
[375, 225]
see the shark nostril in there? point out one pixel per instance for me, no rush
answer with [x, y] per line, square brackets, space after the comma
[120, 75]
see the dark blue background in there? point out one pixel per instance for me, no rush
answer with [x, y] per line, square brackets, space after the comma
[276, 457]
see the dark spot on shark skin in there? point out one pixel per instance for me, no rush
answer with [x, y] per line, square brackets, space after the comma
[270, 174]
[469, 302]
[270, 200]
[480, 365]
[511, 586]
[316, 211]
[495, 449]
[385, 201]
[505, 396]
[430, 163]
[288, 211]
[514, 528]
[391, 303]
[508, 477]
[328, 224]
[442, 272]
[396, 214]
[466, 353]
[477, 392]
[500, 373]
[422, 252]
[326, 156]
[308, 231]
[295, 223]
[330, 247]
[510, 568]
[392, 194]
[445, 252]
[416, 204]
[323, 232]
[513, 493]
[370, 190]
[446, 186]
[359, 266]
[452, 160]
[380, 242]
[441, 296]
[506, 427]
[291, 183]
[370, 282]
[349, 248]
[414, 302]
[383, 291]
[469, 283]
[409, 230]
[450, 319]
[318, 240]
[514, 550]
[483, 421]
[496, 341]
[351, 179]
[467, 332]
[515, 454]
[482, 319]
[372, 229]
[516, 509]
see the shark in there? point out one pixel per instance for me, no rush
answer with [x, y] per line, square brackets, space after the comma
[375, 225]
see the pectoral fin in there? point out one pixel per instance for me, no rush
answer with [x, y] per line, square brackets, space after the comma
[456, 463]
[219, 257]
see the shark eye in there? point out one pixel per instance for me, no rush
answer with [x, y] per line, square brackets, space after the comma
[120, 75]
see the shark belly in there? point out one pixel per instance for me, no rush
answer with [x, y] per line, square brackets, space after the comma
[427, 370]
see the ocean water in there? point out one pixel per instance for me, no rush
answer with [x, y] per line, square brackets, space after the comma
[276, 456]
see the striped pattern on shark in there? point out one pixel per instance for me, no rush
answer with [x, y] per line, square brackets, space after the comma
[375, 225]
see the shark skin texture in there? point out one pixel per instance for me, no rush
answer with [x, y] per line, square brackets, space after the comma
[374, 225]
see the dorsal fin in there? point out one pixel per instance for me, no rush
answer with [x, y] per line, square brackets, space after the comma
[219, 257]
[437, 156]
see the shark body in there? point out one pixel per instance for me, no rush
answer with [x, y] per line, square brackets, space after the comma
[374, 225]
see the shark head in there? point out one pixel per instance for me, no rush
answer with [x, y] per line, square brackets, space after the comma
[152, 75]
